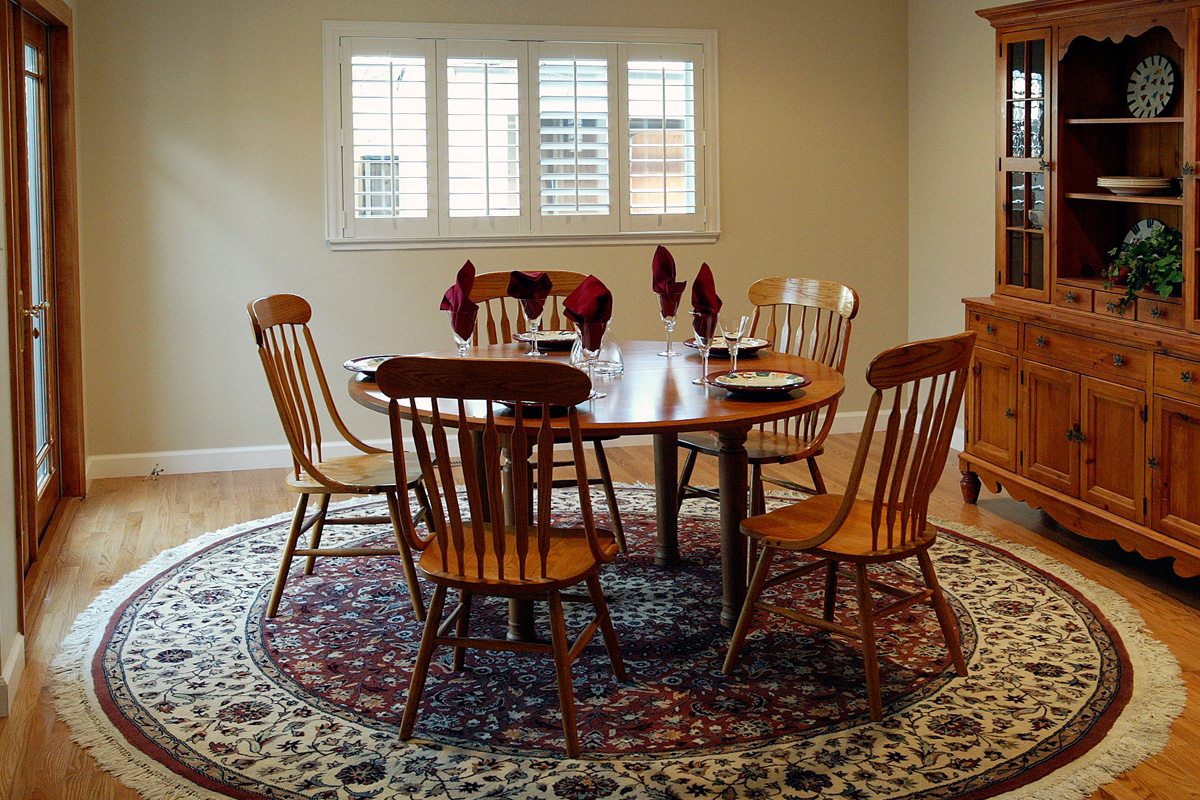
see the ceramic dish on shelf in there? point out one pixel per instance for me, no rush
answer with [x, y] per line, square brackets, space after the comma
[366, 365]
[1132, 186]
[548, 340]
[758, 381]
[721, 351]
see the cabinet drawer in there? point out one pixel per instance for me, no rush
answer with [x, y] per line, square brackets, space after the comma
[1156, 312]
[1073, 297]
[1176, 377]
[1109, 303]
[994, 331]
[1084, 353]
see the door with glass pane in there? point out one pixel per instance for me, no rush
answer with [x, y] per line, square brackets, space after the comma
[1022, 256]
[41, 459]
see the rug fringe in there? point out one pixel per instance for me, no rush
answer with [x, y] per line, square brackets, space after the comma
[1159, 693]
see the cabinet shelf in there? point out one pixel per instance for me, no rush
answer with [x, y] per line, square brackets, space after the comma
[1117, 198]
[1123, 120]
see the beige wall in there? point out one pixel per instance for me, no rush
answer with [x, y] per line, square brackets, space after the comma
[951, 144]
[201, 188]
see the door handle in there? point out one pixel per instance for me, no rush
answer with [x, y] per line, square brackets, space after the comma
[34, 311]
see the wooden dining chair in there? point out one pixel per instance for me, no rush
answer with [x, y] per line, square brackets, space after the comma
[528, 558]
[926, 382]
[502, 319]
[804, 317]
[289, 357]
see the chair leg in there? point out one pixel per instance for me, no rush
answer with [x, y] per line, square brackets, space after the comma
[758, 498]
[410, 569]
[285, 562]
[318, 528]
[426, 512]
[606, 628]
[815, 471]
[831, 577]
[866, 623]
[462, 627]
[416, 686]
[562, 666]
[610, 495]
[689, 464]
[944, 615]
[743, 623]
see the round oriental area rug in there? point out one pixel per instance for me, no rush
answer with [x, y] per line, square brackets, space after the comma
[182, 687]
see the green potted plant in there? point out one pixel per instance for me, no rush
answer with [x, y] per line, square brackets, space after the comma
[1151, 263]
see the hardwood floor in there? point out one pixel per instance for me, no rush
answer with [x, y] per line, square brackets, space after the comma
[123, 522]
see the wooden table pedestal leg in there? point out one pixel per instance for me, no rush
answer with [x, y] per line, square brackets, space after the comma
[666, 495]
[732, 465]
[520, 610]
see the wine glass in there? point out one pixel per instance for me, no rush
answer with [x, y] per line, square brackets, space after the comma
[668, 305]
[463, 344]
[533, 322]
[734, 329]
[704, 326]
[591, 337]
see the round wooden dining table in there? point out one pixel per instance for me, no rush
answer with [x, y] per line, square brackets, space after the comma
[656, 396]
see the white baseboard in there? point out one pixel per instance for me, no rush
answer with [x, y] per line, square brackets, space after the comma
[228, 459]
[14, 667]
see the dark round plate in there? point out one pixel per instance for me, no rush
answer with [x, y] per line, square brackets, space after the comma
[749, 381]
[747, 347]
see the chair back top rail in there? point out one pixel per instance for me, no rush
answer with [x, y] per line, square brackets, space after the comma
[470, 549]
[502, 315]
[291, 363]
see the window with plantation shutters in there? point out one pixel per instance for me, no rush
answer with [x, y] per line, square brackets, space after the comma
[444, 135]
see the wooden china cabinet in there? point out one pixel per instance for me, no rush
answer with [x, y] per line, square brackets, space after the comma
[1076, 405]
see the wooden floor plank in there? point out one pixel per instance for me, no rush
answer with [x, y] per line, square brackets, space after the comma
[124, 522]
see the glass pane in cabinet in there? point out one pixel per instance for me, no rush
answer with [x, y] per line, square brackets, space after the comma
[1037, 260]
[1016, 200]
[1037, 68]
[1016, 129]
[1037, 200]
[1016, 70]
[1035, 128]
[1016, 259]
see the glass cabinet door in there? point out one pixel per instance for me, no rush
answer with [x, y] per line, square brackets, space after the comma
[1024, 84]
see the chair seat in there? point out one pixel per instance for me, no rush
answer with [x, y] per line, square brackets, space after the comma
[790, 527]
[763, 447]
[569, 561]
[367, 473]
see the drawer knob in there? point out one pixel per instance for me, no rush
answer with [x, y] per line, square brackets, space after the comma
[1070, 298]
[1118, 360]
[1155, 312]
[990, 330]
[1152, 462]
[1075, 435]
[1041, 341]
[1186, 376]
[1008, 412]
[1110, 306]
[1187, 168]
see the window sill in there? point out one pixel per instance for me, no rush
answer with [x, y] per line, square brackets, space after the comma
[446, 243]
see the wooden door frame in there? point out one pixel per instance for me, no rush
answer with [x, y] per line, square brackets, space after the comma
[57, 17]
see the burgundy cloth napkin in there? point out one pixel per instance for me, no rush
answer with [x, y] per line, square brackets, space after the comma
[705, 303]
[457, 300]
[669, 290]
[532, 289]
[590, 307]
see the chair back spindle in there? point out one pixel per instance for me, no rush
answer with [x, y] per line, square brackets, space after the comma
[501, 315]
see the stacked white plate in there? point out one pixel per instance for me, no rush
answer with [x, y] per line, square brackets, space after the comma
[1128, 185]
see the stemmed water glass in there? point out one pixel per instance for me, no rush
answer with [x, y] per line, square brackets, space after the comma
[533, 323]
[734, 329]
[668, 303]
[704, 326]
[462, 343]
[588, 335]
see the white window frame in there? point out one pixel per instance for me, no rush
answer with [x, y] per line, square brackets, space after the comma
[345, 232]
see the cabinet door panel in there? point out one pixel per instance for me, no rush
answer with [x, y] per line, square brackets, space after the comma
[992, 408]
[1113, 448]
[1050, 429]
[1175, 478]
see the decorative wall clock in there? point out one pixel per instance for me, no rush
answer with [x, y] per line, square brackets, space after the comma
[1151, 86]
[1142, 229]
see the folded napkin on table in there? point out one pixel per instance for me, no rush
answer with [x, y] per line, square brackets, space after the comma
[457, 301]
[668, 289]
[589, 307]
[705, 303]
[531, 289]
